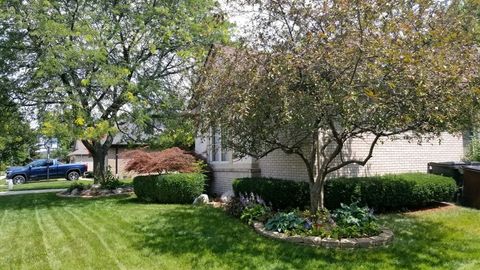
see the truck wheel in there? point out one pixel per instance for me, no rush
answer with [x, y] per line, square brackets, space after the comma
[18, 179]
[73, 175]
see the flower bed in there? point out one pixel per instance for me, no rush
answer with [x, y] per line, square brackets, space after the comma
[93, 192]
[383, 239]
[111, 187]
[349, 226]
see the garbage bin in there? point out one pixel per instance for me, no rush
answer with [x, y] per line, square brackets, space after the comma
[471, 186]
[450, 169]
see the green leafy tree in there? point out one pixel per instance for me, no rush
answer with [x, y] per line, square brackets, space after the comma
[314, 76]
[177, 129]
[17, 138]
[95, 68]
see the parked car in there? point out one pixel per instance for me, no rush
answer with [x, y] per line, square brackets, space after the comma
[42, 169]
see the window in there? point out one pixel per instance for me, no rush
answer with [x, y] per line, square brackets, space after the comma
[217, 153]
[39, 163]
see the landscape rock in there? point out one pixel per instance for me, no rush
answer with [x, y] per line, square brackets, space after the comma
[226, 197]
[105, 192]
[202, 199]
[380, 240]
[75, 192]
[86, 193]
[118, 191]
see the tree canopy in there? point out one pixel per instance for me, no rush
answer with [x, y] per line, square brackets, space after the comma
[315, 75]
[94, 68]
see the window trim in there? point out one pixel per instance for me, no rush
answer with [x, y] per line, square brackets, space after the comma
[213, 145]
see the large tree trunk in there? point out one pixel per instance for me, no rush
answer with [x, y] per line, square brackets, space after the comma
[99, 166]
[99, 152]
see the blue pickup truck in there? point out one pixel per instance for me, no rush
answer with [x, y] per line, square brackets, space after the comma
[43, 168]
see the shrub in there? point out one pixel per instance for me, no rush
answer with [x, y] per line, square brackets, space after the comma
[111, 181]
[79, 186]
[281, 194]
[390, 192]
[236, 205]
[473, 153]
[285, 222]
[382, 193]
[354, 221]
[257, 212]
[169, 188]
[169, 160]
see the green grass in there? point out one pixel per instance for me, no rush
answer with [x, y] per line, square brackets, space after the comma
[46, 232]
[51, 184]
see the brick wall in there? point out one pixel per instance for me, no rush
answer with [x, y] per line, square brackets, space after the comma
[389, 157]
[280, 165]
[223, 178]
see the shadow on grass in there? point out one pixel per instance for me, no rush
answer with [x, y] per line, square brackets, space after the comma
[51, 200]
[210, 234]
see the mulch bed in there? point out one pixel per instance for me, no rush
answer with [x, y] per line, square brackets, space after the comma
[440, 206]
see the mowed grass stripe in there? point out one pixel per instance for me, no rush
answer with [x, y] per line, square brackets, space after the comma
[2, 221]
[117, 237]
[110, 220]
[52, 259]
[108, 249]
[27, 242]
[77, 239]
[71, 255]
[7, 238]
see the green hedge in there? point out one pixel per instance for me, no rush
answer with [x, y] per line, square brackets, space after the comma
[382, 193]
[169, 188]
[282, 194]
[390, 192]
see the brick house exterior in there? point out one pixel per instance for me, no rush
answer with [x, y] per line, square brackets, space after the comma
[389, 156]
[114, 159]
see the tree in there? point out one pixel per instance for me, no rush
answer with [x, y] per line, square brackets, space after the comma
[17, 139]
[102, 67]
[317, 75]
[157, 162]
[177, 129]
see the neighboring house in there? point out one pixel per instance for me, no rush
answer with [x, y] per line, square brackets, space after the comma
[396, 156]
[115, 159]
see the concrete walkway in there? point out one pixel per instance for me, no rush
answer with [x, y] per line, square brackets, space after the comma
[37, 191]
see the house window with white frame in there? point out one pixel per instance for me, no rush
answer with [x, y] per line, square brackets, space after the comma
[217, 153]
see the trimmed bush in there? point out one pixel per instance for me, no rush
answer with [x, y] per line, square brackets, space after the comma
[281, 194]
[390, 192]
[382, 193]
[169, 188]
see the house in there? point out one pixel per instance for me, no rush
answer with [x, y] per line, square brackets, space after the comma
[389, 156]
[398, 156]
[115, 159]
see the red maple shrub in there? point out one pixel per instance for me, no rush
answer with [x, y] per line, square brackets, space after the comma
[169, 160]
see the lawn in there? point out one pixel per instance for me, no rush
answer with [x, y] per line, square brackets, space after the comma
[55, 183]
[45, 232]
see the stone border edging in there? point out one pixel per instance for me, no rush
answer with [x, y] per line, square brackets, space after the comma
[60, 194]
[383, 239]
